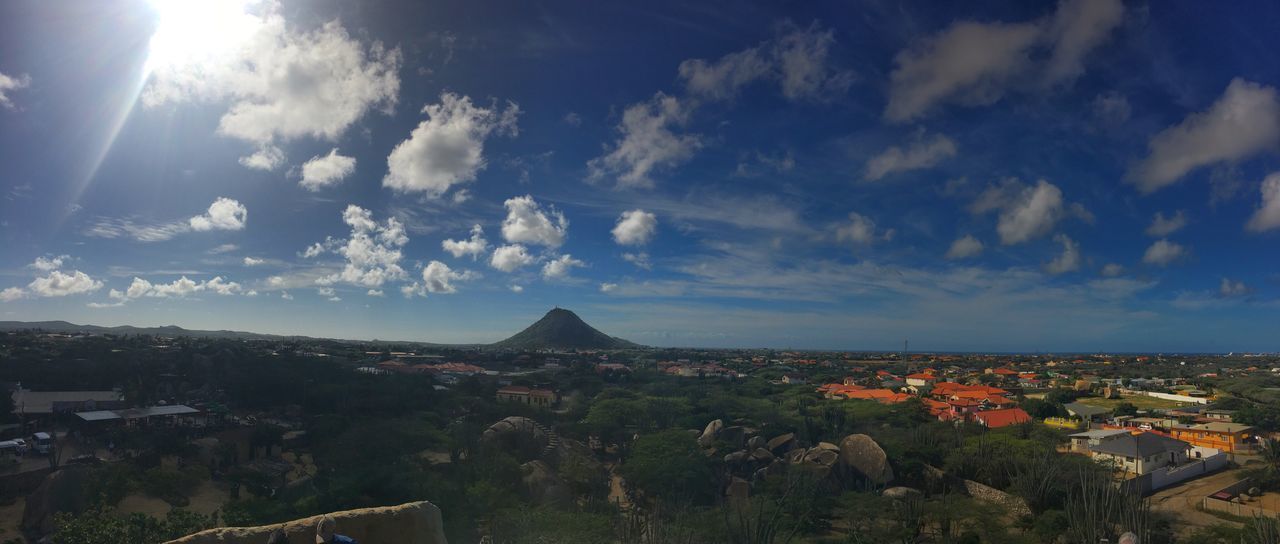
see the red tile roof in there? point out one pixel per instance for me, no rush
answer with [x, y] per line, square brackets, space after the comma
[1002, 418]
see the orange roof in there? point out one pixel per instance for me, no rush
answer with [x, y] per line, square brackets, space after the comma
[881, 395]
[921, 376]
[1004, 372]
[1002, 418]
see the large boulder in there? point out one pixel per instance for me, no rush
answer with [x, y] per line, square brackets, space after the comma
[820, 456]
[762, 455]
[543, 485]
[755, 442]
[735, 435]
[521, 436]
[861, 453]
[710, 433]
[782, 443]
[736, 457]
[62, 490]
[411, 523]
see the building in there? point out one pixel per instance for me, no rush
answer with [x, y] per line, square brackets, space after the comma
[794, 379]
[994, 419]
[1228, 437]
[1140, 453]
[43, 403]
[542, 398]
[1082, 442]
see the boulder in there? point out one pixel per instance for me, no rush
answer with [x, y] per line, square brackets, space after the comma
[762, 455]
[61, 491]
[543, 485]
[828, 446]
[861, 453]
[736, 457]
[821, 456]
[781, 444]
[736, 436]
[900, 492]
[411, 523]
[521, 436]
[755, 442]
[794, 456]
[710, 433]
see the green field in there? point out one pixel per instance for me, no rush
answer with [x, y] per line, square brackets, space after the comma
[1141, 402]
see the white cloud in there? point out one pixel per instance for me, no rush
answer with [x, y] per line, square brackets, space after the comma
[647, 144]
[1162, 226]
[11, 83]
[334, 298]
[250, 261]
[526, 222]
[61, 284]
[1267, 216]
[1233, 288]
[573, 119]
[1068, 260]
[1244, 121]
[224, 248]
[516, 288]
[374, 293]
[372, 251]
[635, 228]
[640, 259]
[181, 287]
[10, 294]
[607, 287]
[1111, 108]
[975, 63]
[560, 267]
[325, 291]
[510, 257]
[104, 227]
[437, 277]
[1026, 212]
[964, 247]
[285, 295]
[922, 153]
[282, 83]
[326, 170]
[448, 147]
[1112, 270]
[474, 246]
[1163, 252]
[797, 59]
[223, 214]
[47, 264]
[268, 157]
[861, 231]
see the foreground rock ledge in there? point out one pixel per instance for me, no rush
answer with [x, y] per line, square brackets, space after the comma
[409, 523]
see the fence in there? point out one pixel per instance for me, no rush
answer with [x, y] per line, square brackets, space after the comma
[1167, 476]
[1213, 504]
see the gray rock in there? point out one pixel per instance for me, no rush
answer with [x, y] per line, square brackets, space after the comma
[735, 435]
[755, 442]
[861, 453]
[900, 493]
[828, 446]
[782, 443]
[710, 433]
[762, 455]
[820, 456]
[736, 457]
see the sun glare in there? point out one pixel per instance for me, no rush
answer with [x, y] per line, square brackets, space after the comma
[197, 33]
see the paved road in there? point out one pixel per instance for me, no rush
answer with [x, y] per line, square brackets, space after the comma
[1181, 501]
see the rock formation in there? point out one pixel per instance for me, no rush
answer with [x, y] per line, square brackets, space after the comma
[861, 453]
[411, 523]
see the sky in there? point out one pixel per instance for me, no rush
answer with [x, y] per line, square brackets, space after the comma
[1083, 175]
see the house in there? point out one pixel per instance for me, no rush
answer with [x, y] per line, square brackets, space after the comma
[1140, 453]
[1228, 437]
[1081, 442]
[994, 419]
[1085, 411]
[794, 379]
[921, 379]
[41, 403]
[542, 398]
[1219, 415]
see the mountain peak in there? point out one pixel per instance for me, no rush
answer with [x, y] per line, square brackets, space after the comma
[562, 329]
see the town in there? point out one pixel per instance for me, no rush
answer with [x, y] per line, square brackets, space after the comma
[166, 435]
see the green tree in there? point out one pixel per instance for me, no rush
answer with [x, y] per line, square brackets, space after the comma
[668, 465]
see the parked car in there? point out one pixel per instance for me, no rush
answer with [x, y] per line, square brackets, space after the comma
[43, 443]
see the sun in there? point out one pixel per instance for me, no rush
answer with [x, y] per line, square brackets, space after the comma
[199, 33]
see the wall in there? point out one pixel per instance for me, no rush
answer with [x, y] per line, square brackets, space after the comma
[1167, 476]
[410, 523]
[1014, 505]
[1176, 398]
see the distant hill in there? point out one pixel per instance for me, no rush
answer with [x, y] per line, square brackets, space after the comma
[167, 330]
[562, 329]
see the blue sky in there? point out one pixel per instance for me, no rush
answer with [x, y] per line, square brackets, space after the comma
[999, 176]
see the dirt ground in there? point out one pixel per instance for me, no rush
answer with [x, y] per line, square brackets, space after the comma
[1182, 501]
[209, 497]
[11, 519]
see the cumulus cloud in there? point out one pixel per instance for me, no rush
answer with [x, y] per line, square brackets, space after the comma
[326, 170]
[267, 158]
[1164, 252]
[285, 295]
[1233, 288]
[635, 228]
[1068, 260]
[181, 287]
[251, 261]
[223, 214]
[282, 83]
[1162, 226]
[10, 294]
[11, 83]
[560, 267]
[861, 231]
[975, 63]
[516, 288]
[474, 246]
[105, 227]
[447, 148]
[921, 153]
[47, 264]
[964, 247]
[1026, 212]
[437, 277]
[528, 223]
[1267, 216]
[1244, 121]
[1112, 270]
[647, 143]
[372, 252]
[796, 59]
[607, 287]
[224, 248]
[510, 257]
[640, 259]
[61, 284]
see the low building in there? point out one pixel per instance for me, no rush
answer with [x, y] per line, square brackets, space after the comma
[1081, 442]
[42, 403]
[543, 398]
[995, 419]
[1228, 437]
[1140, 453]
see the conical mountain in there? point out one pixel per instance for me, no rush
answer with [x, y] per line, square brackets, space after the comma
[562, 329]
